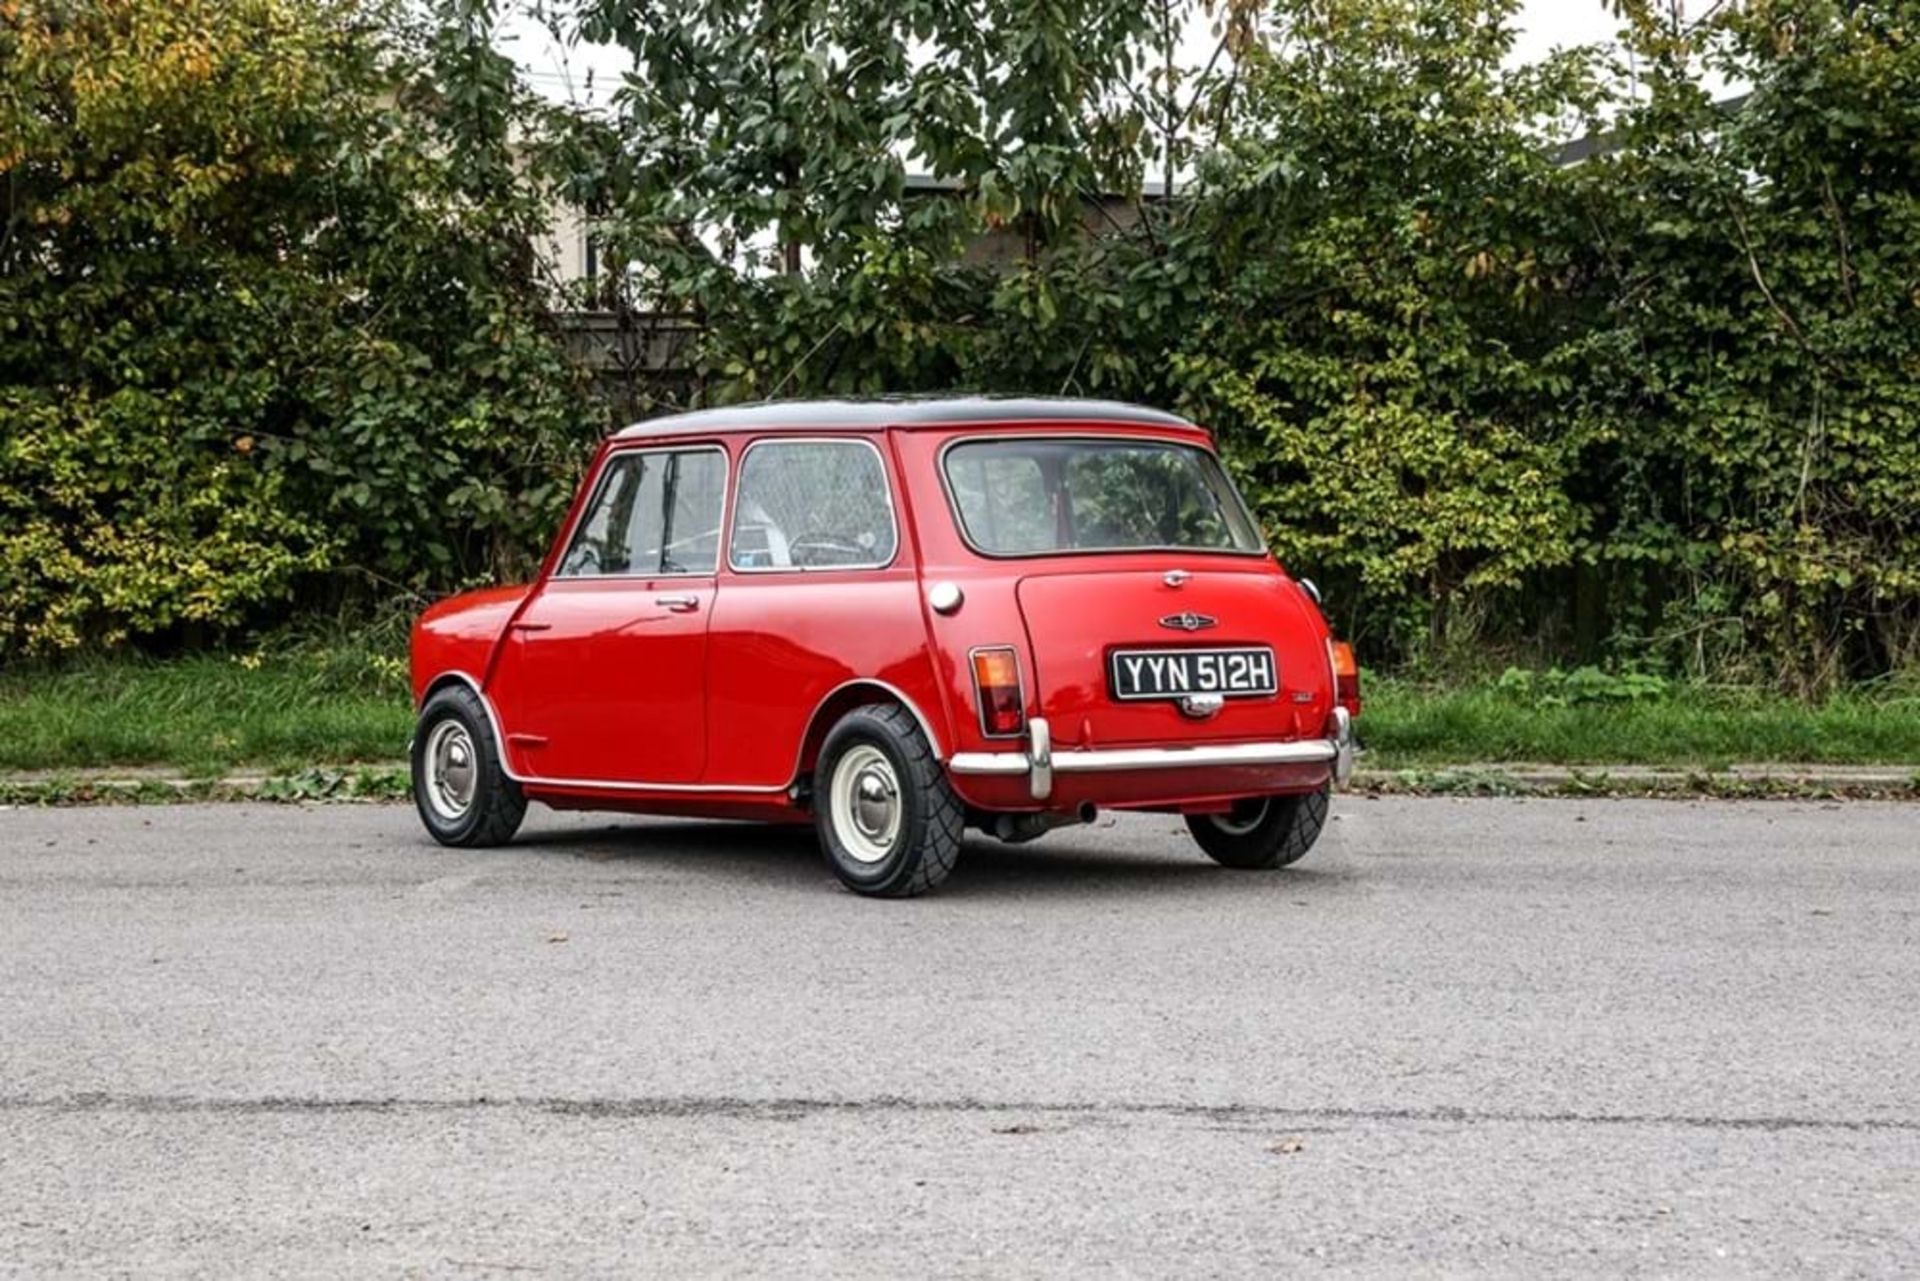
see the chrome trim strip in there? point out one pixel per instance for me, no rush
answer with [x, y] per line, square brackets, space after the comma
[1306, 752]
[886, 480]
[1106, 760]
[1004, 764]
[599, 486]
[600, 785]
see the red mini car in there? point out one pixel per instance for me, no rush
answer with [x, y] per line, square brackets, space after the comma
[896, 619]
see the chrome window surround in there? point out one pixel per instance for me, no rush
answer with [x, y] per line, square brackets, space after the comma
[599, 488]
[1263, 552]
[886, 481]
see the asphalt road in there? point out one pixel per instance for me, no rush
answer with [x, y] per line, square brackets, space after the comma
[1492, 1035]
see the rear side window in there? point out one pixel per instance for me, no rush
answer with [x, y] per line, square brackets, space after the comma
[1040, 496]
[812, 504]
[655, 513]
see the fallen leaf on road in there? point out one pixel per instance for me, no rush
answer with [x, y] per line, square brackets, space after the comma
[1287, 1147]
[556, 938]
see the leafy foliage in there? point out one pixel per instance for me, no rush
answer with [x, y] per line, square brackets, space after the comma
[1556, 688]
[266, 312]
[1759, 362]
[1386, 304]
[268, 319]
[1658, 405]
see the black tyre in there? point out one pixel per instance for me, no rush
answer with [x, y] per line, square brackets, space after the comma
[889, 824]
[459, 784]
[1264, 832]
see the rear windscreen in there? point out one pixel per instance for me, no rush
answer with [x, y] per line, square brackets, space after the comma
[1041, 496]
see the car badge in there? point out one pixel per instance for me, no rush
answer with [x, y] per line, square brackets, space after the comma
[1189, 622]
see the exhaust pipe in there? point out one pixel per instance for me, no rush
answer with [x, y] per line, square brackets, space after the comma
[1018, 829]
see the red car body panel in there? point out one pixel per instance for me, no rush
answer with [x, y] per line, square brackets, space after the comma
[584, 656]
[709, 695]
[455, 638]
[782, 644]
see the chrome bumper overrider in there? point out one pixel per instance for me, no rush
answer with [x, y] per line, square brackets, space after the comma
[1039, 763]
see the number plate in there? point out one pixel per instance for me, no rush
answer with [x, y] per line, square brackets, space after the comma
[1134, 675]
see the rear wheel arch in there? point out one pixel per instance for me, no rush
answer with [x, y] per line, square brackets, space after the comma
[844, 698]
[888, 820]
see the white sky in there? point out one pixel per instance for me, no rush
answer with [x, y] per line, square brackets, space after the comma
[1549, 24]
[563, 73]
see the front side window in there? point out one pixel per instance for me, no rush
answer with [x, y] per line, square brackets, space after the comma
[812, 504]
[655, 513]
[1043, 496]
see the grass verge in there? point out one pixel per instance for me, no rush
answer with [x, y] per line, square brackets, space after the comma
[1408, 726]
[360, 783]
[207, 714]
[298, 709]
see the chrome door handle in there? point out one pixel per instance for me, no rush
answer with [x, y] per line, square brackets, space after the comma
[679, 604]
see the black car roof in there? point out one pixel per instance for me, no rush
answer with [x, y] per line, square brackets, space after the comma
[898, 411]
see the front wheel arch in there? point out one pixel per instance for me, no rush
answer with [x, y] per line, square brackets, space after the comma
[492, 807]
[450, 680]
[497, 731]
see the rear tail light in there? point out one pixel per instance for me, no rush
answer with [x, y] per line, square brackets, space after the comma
[1346, 677]
[996, 684]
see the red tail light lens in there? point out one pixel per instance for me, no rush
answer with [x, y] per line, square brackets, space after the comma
[1346, 677]
[996, 683]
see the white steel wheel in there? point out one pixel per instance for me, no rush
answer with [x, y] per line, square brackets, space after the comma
[463, 792]
[452, 771]
[889, 824]
[864, 804]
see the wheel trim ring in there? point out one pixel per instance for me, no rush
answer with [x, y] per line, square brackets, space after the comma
[864, 804]
[452, 771]
[1232, 826]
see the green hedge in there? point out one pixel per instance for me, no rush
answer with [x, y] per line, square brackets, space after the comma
[267, 322]
[269, 329]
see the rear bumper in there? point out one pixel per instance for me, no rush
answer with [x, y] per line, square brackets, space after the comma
[1039, 762]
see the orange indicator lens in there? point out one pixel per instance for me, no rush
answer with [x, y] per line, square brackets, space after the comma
[996, 678]
[1346, 672]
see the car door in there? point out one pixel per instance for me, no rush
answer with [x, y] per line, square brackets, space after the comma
[603, 676]
[818, 594]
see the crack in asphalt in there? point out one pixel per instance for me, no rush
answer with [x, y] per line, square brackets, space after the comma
[792, 1109]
